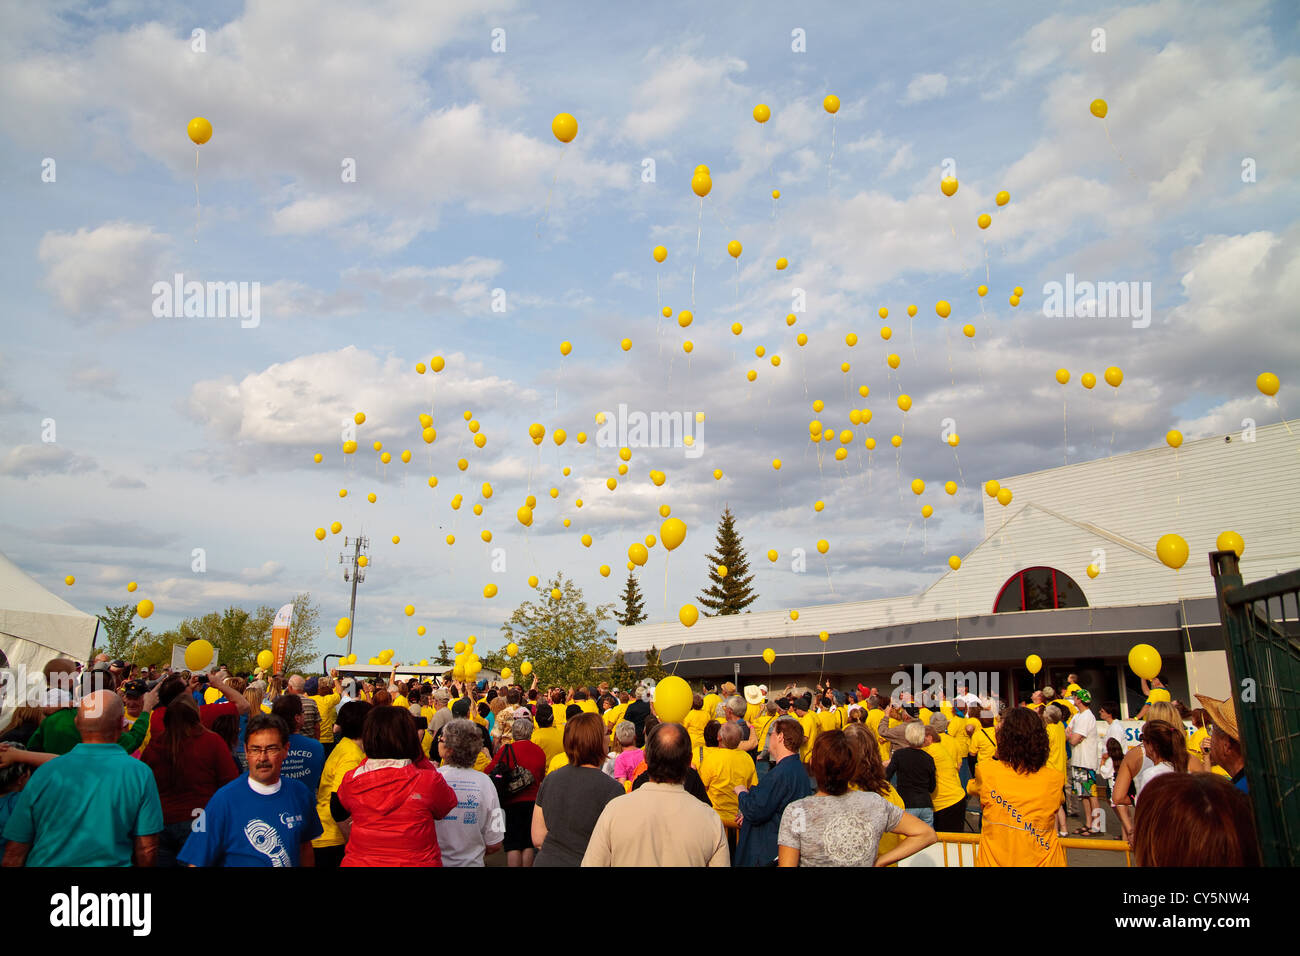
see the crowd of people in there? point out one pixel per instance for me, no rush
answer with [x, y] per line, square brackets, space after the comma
[111, 767]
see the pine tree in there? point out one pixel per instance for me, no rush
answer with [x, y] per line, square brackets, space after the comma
[620, 673]
[730, 594]
[653, 667]
[633, 605]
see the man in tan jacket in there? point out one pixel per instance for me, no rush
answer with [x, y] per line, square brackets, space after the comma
[660, 824]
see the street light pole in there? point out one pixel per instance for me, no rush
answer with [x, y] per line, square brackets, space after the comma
[355, 574]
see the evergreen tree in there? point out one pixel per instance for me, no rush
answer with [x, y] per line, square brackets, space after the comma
[444, 655]
[621, 674]
[633, 605]
[652, 667]
[730, 594]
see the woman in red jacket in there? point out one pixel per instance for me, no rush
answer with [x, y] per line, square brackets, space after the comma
[394, 797]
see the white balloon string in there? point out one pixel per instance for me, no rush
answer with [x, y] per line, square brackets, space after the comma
[198, 210]
[1065, 428]
[699, 232]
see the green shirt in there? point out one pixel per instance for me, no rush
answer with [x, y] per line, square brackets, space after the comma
[58, 734]
[85, 808]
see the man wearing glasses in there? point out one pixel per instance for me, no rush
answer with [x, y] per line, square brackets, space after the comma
[258, 819]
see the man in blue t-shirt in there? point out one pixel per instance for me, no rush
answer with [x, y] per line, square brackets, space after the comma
[93, 806]
[261, 819]
[306, 757]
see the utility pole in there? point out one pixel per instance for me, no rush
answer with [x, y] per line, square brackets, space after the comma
[354, 571]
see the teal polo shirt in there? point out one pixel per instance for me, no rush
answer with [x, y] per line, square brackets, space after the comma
[85, 808]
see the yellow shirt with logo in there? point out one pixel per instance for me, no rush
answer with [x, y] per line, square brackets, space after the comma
[722, 770]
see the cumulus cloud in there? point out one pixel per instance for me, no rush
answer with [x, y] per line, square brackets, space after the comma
[31, 461]
[926, 86]
[105, 271]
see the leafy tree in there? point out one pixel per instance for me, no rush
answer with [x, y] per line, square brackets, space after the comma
[118, 636]
[563, 639]
[730, 594]
[633, 604]
[239, 636]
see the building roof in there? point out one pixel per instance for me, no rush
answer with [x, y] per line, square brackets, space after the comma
[1109, 511]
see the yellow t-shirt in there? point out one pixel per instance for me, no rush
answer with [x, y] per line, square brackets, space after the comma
[614, 715]
[753, 712]
[711, 702]
[947, 781]
[925, 713]
[328, 705]
[983, 743]
[810, 730]
[482, 760]
[1056, 747]
[695, 722]
[957, 731]
[559, 760]
[347, 754]
[1019, 825]
[874, 717]
[400, 701]
[589, 706]
[723, 770]
[890, 840]
[760, 725]
[211, 695]
[828, 720]
[550, 739]
[428, 712]
[558, 710]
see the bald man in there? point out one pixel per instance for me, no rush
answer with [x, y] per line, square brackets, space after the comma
[93, 806]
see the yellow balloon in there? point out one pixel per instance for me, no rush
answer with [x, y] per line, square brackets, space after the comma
[918, 486]
[673, 698]
[1172, 551]
[948, 185]
[199, 130]
[685, 317]
[823, 546]
[672, 533]
[525, 516]
[905, 402]
[409, 609]
[984, 220]
[769, 655]
[265, 659]
[701, 184]
[349, 447]
[772, 554]
[198, 655]
[658, 477]
[451, 539]
[851, 339]
[320, 536]
[649, 541]
[69, 580]
[638, 554]
[131, 586]
[736, 328]
[722, 570]
[896, 440]
[489, 590]
[794, 616]
[954, 562]
[1002, 198]
[927, 510]
[883, 312]
[1144, 661]
[968, 330]
[1062, 375]
[1268, 383]
[734, 248]
[565, 127]
[1174, 438]
[437, 363]
[318, 458]
[336, 527]
[776, 194]
[1230, 541]
[782, 263]
[1093, 570]
[886, 332]
[566, 348]
[386, 457]
[762, 113]
[950, 487]
[688, 615]
[831, 104]
[1004, 496]
[362, 561]
[525, 668]
[1087, 380]
[420, 630]
[397, 539]
[1098, 108]
[626, 345]
[1033, 663]
[371, 498]
[776, 464]
[660, 253]
[429, 434]
[893, 361]
[144, 608]
[1113, 375]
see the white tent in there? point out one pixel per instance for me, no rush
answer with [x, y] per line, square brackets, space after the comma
[36, 627]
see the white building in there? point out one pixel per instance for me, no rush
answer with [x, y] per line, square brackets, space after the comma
[1109, 512]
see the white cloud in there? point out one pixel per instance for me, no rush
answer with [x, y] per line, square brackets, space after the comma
[926, 86]
[105, 271]
[29, 461]
[678, 85]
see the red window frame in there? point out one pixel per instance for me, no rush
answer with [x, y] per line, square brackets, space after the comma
[1019, 578]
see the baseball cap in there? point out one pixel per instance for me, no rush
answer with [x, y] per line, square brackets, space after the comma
[1083, 696]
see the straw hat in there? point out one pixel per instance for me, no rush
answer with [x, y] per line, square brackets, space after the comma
[752, 694]
[1223, 714]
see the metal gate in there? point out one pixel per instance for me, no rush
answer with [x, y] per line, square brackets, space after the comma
[1261, 623]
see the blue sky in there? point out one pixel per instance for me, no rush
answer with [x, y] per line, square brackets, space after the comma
[175, 434]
